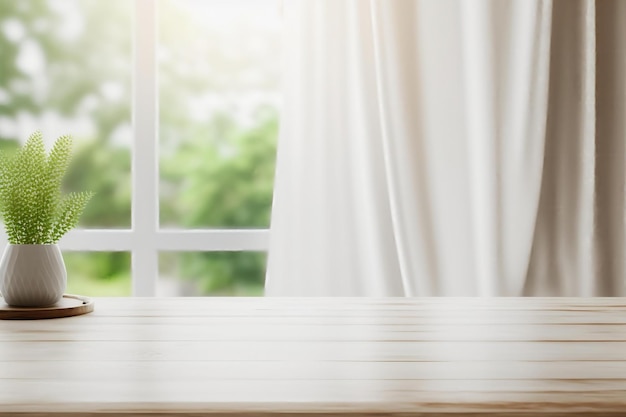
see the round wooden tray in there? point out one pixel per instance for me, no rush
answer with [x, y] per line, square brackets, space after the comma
[70, 305]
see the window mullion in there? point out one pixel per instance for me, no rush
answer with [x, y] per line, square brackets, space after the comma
[213, 240]
[145, 196]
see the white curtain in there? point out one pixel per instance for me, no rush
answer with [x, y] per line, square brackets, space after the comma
[451, 148]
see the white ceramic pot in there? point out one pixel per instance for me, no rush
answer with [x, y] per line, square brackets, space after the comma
[32, 275]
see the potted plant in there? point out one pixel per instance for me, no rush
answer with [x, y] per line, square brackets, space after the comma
[36, 215]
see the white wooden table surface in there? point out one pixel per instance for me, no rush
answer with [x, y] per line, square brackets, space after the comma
[212, 356]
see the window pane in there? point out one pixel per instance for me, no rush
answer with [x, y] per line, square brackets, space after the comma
[219, 66]
[65, 68]
[98, 274]
[211, 273]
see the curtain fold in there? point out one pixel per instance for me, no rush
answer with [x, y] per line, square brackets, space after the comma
[453, 148]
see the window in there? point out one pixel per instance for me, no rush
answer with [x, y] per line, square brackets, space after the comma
[173, 106]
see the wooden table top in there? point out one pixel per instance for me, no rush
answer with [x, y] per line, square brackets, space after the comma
[319, 356]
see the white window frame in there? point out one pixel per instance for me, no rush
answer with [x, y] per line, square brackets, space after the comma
[145, 238]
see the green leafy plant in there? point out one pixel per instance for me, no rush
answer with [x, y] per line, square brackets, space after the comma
[34, 209]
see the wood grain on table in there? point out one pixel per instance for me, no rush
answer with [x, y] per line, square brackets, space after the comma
[319, 356]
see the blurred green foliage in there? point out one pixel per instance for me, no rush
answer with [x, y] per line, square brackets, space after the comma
[215, 172]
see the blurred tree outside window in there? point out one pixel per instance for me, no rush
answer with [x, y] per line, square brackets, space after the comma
[66, 67]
